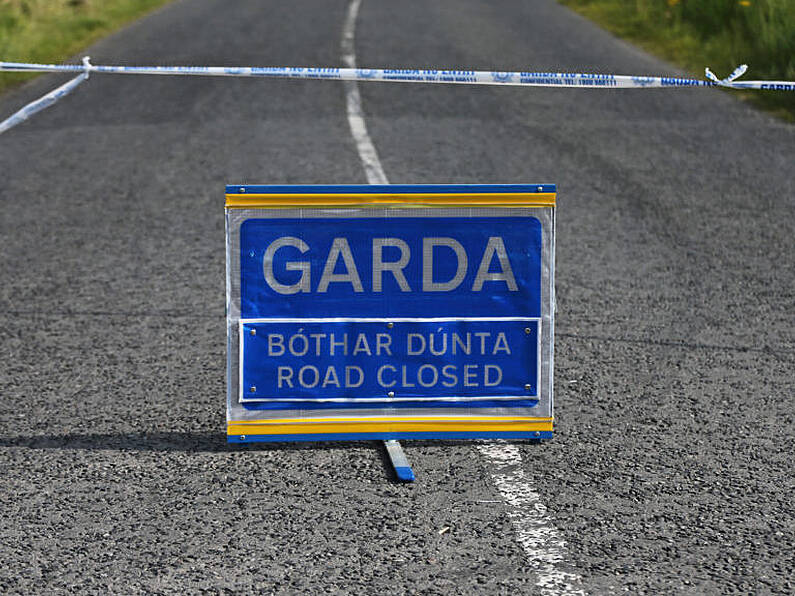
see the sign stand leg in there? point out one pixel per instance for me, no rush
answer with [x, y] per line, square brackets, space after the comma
[399, 462]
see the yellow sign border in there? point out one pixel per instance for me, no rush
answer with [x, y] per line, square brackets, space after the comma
[388, 424]
[419, 199]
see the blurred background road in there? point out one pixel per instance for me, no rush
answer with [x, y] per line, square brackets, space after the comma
[671, 466]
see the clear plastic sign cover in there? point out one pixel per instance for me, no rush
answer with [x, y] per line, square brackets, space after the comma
[389, 312]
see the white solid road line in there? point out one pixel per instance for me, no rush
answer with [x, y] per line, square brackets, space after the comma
[367, 152]
[541, 541]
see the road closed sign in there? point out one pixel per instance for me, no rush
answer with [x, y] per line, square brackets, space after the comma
[389, 312]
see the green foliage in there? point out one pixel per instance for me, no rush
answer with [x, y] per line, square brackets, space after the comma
[717, 33]
[54, 30]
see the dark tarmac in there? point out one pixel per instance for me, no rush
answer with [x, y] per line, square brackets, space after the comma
[675, 349]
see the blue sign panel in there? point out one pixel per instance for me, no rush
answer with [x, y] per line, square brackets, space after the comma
[377, 363]
[396, 267]
[389, 312]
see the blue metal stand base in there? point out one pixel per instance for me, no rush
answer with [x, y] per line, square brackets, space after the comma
[399, 462]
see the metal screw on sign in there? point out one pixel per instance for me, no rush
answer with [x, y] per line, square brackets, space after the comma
[390, 325]
[391, 394]
[242, 189]
[527, 330]
[242, 437]
[253, 332]
[538, 434]
[253, 389]
[540, 188]
[528, 387]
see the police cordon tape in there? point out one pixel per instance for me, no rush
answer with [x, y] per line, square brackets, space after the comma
[42, 103]
[466, 77]
[462, 77]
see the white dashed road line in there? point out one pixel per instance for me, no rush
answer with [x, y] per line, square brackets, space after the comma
[541, 541]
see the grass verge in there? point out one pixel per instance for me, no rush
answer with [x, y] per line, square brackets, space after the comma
[53, 30]
[720, 34]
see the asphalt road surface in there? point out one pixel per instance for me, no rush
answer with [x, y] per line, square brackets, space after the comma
[671, 469]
